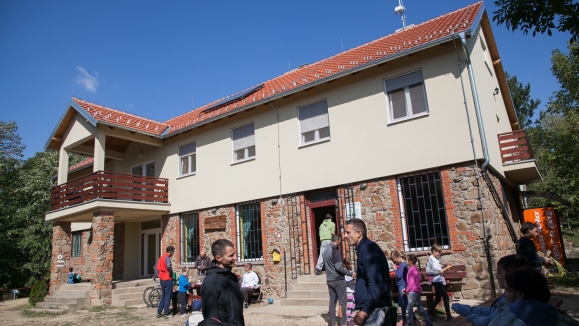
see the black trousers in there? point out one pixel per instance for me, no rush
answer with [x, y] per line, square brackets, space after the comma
[246, 292]
[440, 292]
[182, 296]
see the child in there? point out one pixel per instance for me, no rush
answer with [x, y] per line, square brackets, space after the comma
[401, 270]
[70, 276]
[434, 269]
[527, 294]
[482, 316]
[184, 286]
[414, 290]
[350, 286]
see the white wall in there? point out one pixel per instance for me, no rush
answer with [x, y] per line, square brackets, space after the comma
[132, 250]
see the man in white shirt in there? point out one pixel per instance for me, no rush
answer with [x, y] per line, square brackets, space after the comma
[249, 284]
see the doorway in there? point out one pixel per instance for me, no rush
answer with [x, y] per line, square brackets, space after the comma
[318, 213]
[150, 247]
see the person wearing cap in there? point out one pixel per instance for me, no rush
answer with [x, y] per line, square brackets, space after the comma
[327, 228]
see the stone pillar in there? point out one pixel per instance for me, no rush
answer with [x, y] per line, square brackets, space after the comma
[61, 252]
[101, 252]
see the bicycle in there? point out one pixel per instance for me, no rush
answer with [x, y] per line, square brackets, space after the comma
[147, 294]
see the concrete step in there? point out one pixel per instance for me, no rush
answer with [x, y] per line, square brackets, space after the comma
[57, 305]
[135, 289]
[309, 286]
[70, 294]
[308, 294]
[127, 296]
[131, 302]
[53, 299]
[312, 279]
[305, 302]
[133, 283]
[75, 287]
[48, 311]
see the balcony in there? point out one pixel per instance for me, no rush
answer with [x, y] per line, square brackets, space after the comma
[131, 194]
[517, 157]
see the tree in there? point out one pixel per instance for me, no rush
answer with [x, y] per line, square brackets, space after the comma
[539, 16]
[524, 106]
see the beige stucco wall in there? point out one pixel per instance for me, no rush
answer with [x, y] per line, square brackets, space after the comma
[79, 131]
[132, 250]
[363, 144]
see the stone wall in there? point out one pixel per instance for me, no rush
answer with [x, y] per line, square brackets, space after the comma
[84, 265]
[61, 245]
[101, 253]
[119, 252]
[207, 237]
[171, 236]
[274, 223]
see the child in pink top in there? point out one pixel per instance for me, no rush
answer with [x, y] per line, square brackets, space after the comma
[414, 290]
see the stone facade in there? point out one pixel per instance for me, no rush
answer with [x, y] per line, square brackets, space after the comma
[61, 246]
[101, 253]
[84, 265]
[171, 235]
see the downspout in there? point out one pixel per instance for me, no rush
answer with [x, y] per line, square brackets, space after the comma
[486, 157]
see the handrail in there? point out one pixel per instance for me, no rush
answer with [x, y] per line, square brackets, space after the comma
[110, 185]
[514, 146]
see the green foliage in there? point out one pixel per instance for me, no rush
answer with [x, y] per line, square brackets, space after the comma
[524, 105]
[25, 238]
[539, 16]
[37, 293]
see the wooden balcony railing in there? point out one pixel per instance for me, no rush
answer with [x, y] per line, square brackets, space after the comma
[110, 185]
[514, 146]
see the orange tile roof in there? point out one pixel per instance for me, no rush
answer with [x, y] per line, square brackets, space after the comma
[120, 118]
[393, 44]
[430, 31]
[81, 165]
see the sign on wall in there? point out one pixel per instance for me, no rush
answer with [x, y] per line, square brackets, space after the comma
[353, 210]
[548, 235]
[215, 222]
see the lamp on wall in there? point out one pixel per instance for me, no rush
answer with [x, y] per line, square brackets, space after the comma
[363, 185]
[496, 92]
[140, 154]
[274, 201]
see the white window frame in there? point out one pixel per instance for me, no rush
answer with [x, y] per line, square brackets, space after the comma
[246, 156]
[408, 99]
[317, 138]
[190, 157]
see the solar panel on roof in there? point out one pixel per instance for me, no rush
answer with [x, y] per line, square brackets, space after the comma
[233, 98]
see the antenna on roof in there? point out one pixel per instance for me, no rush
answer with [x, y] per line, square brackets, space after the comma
[400, 10]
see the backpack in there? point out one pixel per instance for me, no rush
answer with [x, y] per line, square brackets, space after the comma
[76, 279]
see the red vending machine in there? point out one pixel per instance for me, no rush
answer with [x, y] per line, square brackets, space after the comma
[549, 234]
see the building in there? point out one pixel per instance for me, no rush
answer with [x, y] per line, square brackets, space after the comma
[394, 132]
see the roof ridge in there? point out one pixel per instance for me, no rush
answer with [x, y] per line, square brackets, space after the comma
[117, 110]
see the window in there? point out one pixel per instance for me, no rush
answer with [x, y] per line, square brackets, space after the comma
[190, 237]
[314, 122]
[187, 162]
[406, 96]
[249, 231]
[422, 211]
[243, 143]
[76, 244]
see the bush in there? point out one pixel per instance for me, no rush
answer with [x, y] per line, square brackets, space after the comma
[37, 293]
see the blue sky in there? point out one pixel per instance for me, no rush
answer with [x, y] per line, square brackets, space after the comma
[158, 59]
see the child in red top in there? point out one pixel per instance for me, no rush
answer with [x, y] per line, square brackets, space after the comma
[414, 290]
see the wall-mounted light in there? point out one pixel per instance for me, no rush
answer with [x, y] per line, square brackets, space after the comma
[141, 154]
[274, 201]
[363, 185]
[214, 210]
[496, 91]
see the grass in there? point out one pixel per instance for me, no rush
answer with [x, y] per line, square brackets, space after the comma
[97, 309]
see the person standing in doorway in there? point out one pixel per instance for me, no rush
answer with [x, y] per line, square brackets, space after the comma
[222, 303]
[202, 263]
[327, 228]
[372, 278]
[335, 273]
[165, 270]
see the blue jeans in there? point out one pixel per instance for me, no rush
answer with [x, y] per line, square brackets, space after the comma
[167, 290]
[415, 301]
[403, 302]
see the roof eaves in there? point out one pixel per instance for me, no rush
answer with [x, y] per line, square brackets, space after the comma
[327, 79]
[74, 105]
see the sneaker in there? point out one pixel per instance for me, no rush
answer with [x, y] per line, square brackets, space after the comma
[159, 315]
[166, 317]
[318, 272]
[184, 315]
[246, 306]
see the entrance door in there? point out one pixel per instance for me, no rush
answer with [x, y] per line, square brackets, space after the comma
[150, 251]
[318, 213]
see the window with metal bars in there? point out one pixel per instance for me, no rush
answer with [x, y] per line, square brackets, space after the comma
[422, 211]
[189, 237]
[249, 245]
[76, 244]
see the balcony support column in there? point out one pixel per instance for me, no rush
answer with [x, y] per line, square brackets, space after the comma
[99, 151]
[101, 251]
[61, 253]
[62, 166]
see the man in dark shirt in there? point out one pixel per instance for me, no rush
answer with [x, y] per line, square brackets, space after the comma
[335, 278]
[373, 281]
[222, 303]
[526, 246]
[202, 263]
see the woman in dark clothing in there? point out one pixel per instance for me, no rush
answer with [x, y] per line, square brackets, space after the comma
[526, 246]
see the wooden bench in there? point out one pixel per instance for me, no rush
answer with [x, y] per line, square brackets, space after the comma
[454, 282]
